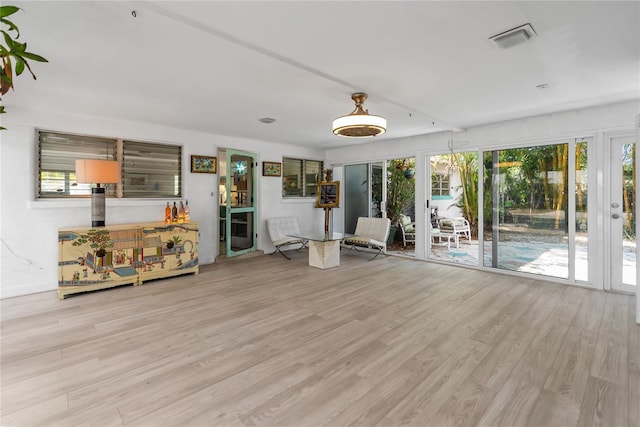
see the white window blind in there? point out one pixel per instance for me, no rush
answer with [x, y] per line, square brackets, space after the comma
[151, 170]
[57, 162]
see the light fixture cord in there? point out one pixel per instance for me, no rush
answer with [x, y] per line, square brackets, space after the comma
[452, 163]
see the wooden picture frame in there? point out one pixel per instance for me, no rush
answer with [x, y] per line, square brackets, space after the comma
[271, 169]
[328, 195]
[138, 180]
[203, 164]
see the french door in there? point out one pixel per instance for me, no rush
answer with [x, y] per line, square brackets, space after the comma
[622, 214]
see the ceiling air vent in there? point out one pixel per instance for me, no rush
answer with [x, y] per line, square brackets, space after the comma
[513, 36]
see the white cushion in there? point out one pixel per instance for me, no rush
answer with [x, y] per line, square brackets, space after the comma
[371, 232]
[280, 229]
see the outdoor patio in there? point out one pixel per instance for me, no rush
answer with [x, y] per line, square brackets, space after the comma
[547, 258]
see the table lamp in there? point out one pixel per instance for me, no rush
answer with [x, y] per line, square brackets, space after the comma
[90, 171]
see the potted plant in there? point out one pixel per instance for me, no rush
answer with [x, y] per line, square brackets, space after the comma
[400, 190]
[408, 166]
[12, 48]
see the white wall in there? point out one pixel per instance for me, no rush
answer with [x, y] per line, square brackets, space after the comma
[28, 227]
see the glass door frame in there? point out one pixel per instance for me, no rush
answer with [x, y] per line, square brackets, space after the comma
[369, 190]
[594, 210]
[234, 210]
[429, 202]
[353, 209]
[593, 265]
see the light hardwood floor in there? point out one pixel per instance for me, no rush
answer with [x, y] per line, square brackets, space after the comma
[267, 341]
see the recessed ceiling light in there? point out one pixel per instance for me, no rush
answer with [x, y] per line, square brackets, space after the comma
[513, 36]
[267, 120]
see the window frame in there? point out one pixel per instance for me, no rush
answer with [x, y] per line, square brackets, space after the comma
[114, 150]
[440, 179]
[309, 189]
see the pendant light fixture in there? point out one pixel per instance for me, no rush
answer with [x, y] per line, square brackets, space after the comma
[359, 123]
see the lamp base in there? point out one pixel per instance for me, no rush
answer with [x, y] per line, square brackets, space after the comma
[97, 207]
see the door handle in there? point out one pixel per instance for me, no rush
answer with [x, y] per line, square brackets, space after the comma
[615, 216]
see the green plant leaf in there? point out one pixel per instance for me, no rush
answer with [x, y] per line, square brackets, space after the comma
[11, 25]
[8, 10]
[18, 48]
[29, 68]
[8, 40]
[33, 56]
[19, 67]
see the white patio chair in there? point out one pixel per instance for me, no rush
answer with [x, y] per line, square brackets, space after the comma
[408, 230]
[458, 225]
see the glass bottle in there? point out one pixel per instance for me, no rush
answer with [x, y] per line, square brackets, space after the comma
[187, 213]
[174, 213]
[167, 214]
[181, 213]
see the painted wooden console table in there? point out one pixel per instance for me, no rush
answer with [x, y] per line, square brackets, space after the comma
[104, 257]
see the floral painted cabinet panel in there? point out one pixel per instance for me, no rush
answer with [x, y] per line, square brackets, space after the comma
[168, 250]
[104, 257]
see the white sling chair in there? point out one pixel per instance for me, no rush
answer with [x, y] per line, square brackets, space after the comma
[280, 231]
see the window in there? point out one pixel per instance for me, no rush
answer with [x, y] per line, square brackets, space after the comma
[440, 184]
[57, 162]
[300, 177]
[151, 170]
[148, 169]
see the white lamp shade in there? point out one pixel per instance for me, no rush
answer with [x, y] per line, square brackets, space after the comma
[97, 171]
[359, 124]
[360, 120]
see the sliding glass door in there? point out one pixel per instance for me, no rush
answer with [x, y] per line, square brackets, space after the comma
[452, 224]
[531, 223]
[363, 193]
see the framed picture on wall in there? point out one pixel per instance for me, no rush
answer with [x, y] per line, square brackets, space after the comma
[271, 169]
[203, 164]
[137, 180]
[328, 194]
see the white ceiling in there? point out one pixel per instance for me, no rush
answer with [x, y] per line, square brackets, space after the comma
[218, 67]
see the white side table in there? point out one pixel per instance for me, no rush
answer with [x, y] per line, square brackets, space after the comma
[324, 249]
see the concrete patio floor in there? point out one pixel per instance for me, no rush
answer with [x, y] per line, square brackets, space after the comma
[530, 256]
